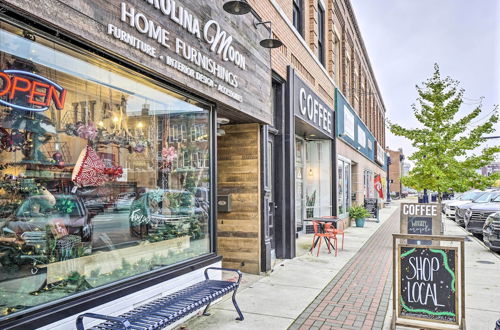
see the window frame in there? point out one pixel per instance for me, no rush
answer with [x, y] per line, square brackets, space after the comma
[298, 16]
[321, 34]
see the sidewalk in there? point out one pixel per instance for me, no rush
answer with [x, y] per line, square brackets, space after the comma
[482, 281]
[275, 301]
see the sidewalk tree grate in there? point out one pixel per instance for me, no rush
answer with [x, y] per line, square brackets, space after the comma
[358, 296]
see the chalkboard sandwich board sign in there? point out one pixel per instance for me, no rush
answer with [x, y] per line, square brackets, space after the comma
[428, 283]
[419, 226]
[371, 205]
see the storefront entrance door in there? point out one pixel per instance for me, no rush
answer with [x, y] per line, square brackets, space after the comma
[271, 200]
[299, 183]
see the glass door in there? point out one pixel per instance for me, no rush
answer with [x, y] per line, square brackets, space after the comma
[271, 201]
[343, 187]
[299, 183]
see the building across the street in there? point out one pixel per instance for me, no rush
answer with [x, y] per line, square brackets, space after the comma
[144, 141]
[396, 170]
[490, 169]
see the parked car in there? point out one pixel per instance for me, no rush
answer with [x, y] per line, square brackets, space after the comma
[95, 205]
[491, 232]
[461, 210]
[468, 197]
[124, 201]
[42, 231]
[448, 201]
[475, 215]
[160, 208]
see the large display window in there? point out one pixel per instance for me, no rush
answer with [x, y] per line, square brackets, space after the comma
[313, 168]
[319, 169]
[103, 174]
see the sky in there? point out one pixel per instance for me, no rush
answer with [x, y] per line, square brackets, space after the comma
[404, 38]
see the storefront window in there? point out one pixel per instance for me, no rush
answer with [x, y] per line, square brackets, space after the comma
[344, 186]
[104, 175]
[318, 191]
[368, 183]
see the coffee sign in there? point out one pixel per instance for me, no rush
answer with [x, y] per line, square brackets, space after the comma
[420, 219]
[310, 107]
[428, 283]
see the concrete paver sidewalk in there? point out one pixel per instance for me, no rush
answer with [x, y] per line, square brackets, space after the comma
[274, 301]
[358, 296]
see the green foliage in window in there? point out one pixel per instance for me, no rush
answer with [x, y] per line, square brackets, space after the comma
[65, 206]
[195, 230]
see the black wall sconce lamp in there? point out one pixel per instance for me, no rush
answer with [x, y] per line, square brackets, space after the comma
[270, 42]
[237, 7]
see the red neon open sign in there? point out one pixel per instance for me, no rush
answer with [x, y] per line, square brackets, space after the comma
[30, 92]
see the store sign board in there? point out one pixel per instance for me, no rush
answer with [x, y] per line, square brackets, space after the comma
[379, 154]
[420, 219]
[157, 37]
[308, 106]
[349, 122]
[351, 129]
[361, 136]
[194, 44]
[28, 91]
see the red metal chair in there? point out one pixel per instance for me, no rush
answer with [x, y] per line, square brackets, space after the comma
[339, 231]
[318, 234]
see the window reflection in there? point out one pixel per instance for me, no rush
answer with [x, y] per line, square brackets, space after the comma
[114, 184]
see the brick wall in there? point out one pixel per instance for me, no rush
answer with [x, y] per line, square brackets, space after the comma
[355, 76]
[395, 170]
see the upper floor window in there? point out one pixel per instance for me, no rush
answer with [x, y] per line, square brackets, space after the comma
[297, 16]
[347, 78]
[336, 60]
[321, 34]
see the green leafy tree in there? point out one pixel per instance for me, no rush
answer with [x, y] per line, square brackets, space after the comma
[447, 155]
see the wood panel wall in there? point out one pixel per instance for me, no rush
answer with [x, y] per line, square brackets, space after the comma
[238, 167]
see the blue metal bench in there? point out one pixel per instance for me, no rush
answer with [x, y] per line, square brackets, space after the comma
[167, 310]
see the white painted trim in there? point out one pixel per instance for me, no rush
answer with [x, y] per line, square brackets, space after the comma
[344, 159]
[301, 39]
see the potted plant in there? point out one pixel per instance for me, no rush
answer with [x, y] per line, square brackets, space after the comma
[358, 213]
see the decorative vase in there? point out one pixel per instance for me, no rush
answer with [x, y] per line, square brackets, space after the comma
[360, 222]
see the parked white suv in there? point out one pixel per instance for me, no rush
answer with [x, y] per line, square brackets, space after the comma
[467, 197]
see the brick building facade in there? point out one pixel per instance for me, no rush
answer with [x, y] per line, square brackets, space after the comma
[324, 46]
[396, 171]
